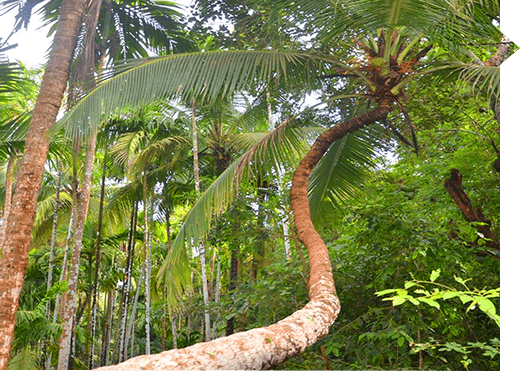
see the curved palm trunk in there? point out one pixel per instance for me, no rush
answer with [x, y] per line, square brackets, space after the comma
[13, 262]
[265, 347]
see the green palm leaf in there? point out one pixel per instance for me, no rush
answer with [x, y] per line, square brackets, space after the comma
[207, 75]
[25, 359]
[341, 172]
[484, 79]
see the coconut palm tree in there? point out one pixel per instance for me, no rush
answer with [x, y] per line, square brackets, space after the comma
[19, 226]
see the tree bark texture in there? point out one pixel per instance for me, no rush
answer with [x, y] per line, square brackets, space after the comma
[454, 187]
[9, 175]
[263, 348]
[82, 209]
[13, 262]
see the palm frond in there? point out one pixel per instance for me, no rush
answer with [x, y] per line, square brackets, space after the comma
[9, 78]
[45, 213]
[341, 172]
[205, 75]
[157, 149]
[483, 79]
[25, 359]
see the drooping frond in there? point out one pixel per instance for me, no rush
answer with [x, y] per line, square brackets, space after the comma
[451, 22]
[415, 14]
[25, 359]
[156, 149]
[341, 172]
[206, 75]
[484, 79]
[126, 147]
[45, 213]
[9, 78]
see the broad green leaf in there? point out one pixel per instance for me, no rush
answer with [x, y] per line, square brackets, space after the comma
[430, 302]
[398, 301]
[435, 274]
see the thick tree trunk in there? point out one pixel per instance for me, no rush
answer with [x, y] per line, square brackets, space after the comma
[13, 262]
[265, 347]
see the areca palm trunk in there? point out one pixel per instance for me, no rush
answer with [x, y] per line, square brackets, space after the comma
[53, 240]
[13, 263]
[265, 347]
[205, 294]
[147, 263]
[127, 282]
[96, 267]
[9, 175]
[82, 208]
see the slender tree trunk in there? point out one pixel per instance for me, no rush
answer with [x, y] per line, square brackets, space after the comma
[202, 250]
[9, 175]
[53, 241]
[169, 244]
[65, 263]
[127, 282]
[233, 275]
[147, 263]
[13, 262]
[129, 325]
[82, 210]
[51, 258]
[105, 354]
[131, 329]
[96, 267]
[217, 291]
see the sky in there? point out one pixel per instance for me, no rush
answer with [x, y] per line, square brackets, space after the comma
[32, 43]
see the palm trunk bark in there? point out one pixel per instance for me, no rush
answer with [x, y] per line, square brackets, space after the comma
[9, 175]
[96, 267]
[205, 293]
[13, 262]
[127, 282]
[263, 348]
[82, 210]
[147, 262]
